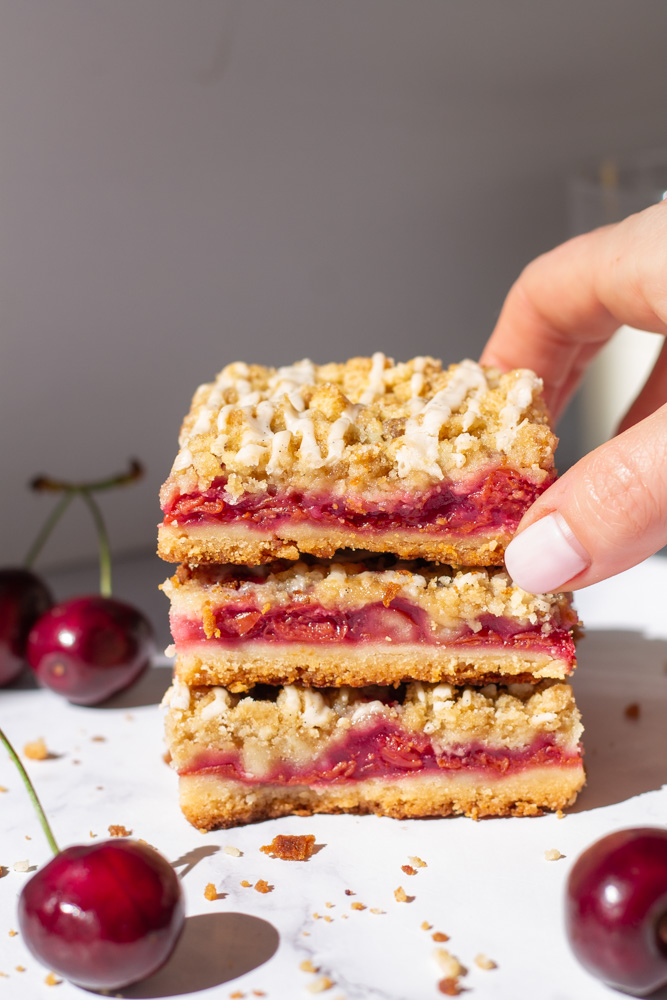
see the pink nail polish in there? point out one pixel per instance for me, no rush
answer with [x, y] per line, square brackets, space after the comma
[545, 556]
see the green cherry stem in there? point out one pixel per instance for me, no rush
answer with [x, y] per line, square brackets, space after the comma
[41, 815]
[47, 528]
[103, 540]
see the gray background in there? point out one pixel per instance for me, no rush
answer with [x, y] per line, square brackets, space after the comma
[188, 182]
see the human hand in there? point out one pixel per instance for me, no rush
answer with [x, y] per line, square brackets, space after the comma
[609, 511]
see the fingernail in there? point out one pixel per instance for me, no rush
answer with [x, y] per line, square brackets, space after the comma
[545, 556]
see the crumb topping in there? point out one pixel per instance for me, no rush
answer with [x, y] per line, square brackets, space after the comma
[293, 722]
[450, 596]
[366, 420]
[290, 848]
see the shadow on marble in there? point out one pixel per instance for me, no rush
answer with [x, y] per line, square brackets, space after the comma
[148, 690]
[215, 948]
[624, 757]
[192, 858]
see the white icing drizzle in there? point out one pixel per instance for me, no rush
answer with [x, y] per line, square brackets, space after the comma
[375, 385]
[519, 398]
[220, 704]
[420, 449]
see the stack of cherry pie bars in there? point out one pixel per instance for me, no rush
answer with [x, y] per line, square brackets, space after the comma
[345, 636]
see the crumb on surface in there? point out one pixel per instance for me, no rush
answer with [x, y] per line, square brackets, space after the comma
[408, 869]
[320, 985]
[3, 788]
[36, 750]
[482, 962]
[98, 739]
[417, 861]
[232, 851]
[261, 885]
[258, 993]
[21, 866]
[560, 814]
[329, 906]
[290, 848]
[376, 909]
[307, 966]
[12, 932]
[449, 964]
[425, 926]
[450, 987]
[348, 892]
[236, 995]
[52, 980]
[357, 906]
[20, 968]
[328, 920]
[401, 896]
[439, 936]
[118, 830]
[632, 711]
[553, 855]
[210, 892]
[246, 885]
[3, 871]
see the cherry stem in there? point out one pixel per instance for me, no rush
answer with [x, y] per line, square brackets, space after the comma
[41, 815]
[103, 540]
[45, 484]
[47, 528]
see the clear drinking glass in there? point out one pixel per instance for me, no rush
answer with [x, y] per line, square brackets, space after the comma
[597, 196]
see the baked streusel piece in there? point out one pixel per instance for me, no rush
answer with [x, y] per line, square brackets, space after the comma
[404, 458]
[372, 621]
[421, 750]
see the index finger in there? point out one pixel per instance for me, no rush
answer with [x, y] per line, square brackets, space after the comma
[567, 303]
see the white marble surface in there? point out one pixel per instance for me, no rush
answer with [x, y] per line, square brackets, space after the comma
[487, 884]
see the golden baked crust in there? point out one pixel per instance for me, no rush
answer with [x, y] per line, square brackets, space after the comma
[210, 802]
[234, 543]
[298, 723]
[368, 422]
[241, 669]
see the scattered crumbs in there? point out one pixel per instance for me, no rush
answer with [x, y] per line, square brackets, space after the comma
[417, 862]
[426, 926]
[357, 906]
[305, 933]
[560, 814]
[408, 869]
[52, 980]
[236, 995]
[4, 975]
[439, 936]
[348, 892]
[232, 851]
[553, 855]
[76, 761]
[343, 916]
[307, 966]
[129, 717]
[92, 835]
[21, 866]
[261, 885]
[376, 909]
[316, 916]
[12, 932]
[98, 739]
[328, 920]
[401, 896]
[320, 985]
[482, 962]
[210, 892]
[450, 987]
[246, 884]
[329, 906]
[258, 993]
[3, 871]
[99, 788]
[28, 837]
[3, 789]
[118, 830]
[290, 848]
[36, 750]
[632, 711]
[449, 964]
[20, 968]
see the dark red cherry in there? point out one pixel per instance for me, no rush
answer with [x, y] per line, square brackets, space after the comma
[23, 598]
[104, 915]
[89, 648]
[616, 909]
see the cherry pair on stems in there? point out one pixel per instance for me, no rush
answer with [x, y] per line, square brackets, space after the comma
[87, 648]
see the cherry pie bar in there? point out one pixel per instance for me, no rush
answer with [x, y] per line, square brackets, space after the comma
[379, 621]
[346, 638]
[403, 458]
[419, 750]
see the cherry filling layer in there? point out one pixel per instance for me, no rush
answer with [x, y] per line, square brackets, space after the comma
[399, 623]
[495, 500]
[382, 749]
